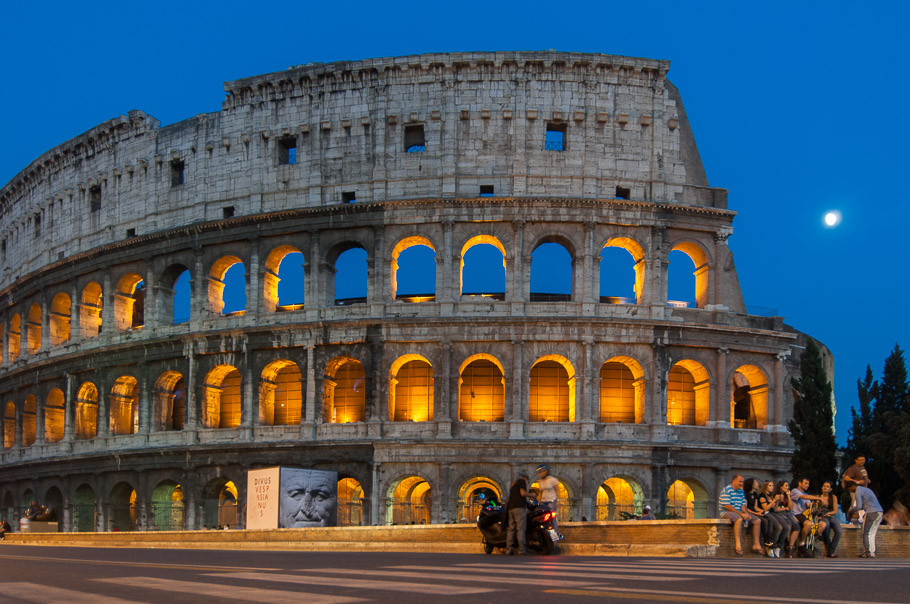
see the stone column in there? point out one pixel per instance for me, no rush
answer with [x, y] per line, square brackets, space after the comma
[378, 286]
[518, 418]
[587, 290]
[720, 402]
[152, 313]
[75, 318]
[776, 403]
[447, 282]
[250, 404]
[586, 411]
[104, 406]
[375, 492]
[442, 411]
[39, 421]
[69, 409]
[254, 289]
[313, 292]
[108, 297]
[193, 388]
[721, 251]
[199, 295]
[518, 283]
[309, 414]
[46, 328]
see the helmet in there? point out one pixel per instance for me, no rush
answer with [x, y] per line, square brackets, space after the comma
[543, 468]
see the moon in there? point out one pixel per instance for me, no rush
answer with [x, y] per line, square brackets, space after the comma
[832, 218]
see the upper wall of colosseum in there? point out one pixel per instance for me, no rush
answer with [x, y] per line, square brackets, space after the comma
[510, 124]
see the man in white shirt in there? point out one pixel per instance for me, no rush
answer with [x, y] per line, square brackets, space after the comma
[549, 495]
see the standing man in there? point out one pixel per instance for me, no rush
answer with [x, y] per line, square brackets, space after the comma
[856, 474]
[517, 512]
[732, 503]
[549, 496]
[864, 499]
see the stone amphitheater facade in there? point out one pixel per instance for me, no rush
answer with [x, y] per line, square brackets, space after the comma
[124, 418]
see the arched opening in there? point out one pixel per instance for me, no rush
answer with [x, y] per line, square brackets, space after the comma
[351, 277]
[619, 498]
[344, 391]
[53, 416]
[563, 502]
[90, 310]
[283, 280]
[551, 396]
[551, 273]
[53, 503]
[350, 502]
[9, 507]
[227, 286]
[9, 425]
[167, 507]
[414, 270]
[87, 412]
[687, 276]
[175, 295]
[170, 402]
[688, 391]
[14, 337]
[411, 389]
[60, 319]
[749, 398]
[222, 398]
[622, 272]
[129, 302]
[481, 389]
[474, 494]
[410, 501]
[622, 391]
[122, 508]
[29, 418]
[280, 394]
[85, 511]
[27, 497]
[33, 329]
[124, 403]
[220, 504]
[687, 499]
[480, 275]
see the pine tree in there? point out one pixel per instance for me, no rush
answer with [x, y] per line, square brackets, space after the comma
[812, 426]
[857, 444]
[902, 459]
[883, 439]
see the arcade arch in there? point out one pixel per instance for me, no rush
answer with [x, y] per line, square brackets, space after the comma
[687, 499]
[481, 389]
[619, 498]
[749, 398]
[476, 274]
[622, 388]
[350, 502]
[174, 299]
[85, 511]
[413, 270]
[219, 290]
[59, 319]
[122, 508]
[701, 273]
[167, 507]
[688, 394]
[87, 411]
[169, 411]
[351, 282]
[220, 504]
[344, 391]
[90, 310]
[222, 399]
[411, 389]
[551, 272]
[129, 302]
[124, 406]
[410, 501]
[551, 396]
[278, 268]
[620, 258]
[54, 416]
[280, 394]
[29, 418]
[14, 337]
[473, 495]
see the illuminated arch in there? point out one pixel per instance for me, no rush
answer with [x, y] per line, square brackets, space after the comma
[551, 396]
[53, 416]
[33, 329]
[401, 246]
[622, 391]
[618, 498]
[169, 410]
[688, 394]
[481, 389]
[478, 240]
[167, 507]
[14, 337]
[271, 277]
[222, 398]
[638, 258]
[216, 281]
[29, 418]
[474, 493]
[61, 310]
[410, 501]
[554, 262]
[280, 394]
[700, 259]
[9, 425]
[749, 398]
[86, 411]
[90, 310]
[124, 406]
[350, 502]
[353, 274]
[129, 302]
[344, 391]
[175, 293]
[687, 499]
[220, 504]
[411, 389]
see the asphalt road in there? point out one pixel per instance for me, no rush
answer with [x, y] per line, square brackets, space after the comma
[116, 576]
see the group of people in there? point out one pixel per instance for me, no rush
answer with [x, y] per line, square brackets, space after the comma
[517, 506]
[782, 518]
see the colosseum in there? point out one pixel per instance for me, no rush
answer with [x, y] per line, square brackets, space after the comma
[343, 268]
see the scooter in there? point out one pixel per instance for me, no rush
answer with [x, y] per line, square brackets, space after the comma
[540, 536]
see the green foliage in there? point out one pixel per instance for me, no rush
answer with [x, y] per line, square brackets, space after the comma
[884, 437]
[812, 426]
[857, 440]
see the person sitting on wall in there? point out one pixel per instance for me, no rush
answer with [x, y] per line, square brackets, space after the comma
[799, 502]
[4, 528]
[646, 514]
[732, 502]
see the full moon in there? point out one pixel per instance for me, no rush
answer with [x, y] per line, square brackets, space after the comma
[832, 218]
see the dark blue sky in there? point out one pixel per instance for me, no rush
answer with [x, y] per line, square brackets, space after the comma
[797, 108]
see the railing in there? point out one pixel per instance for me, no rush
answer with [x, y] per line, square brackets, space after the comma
[414, 298]
[762, 311]
[410, 513]
[350, 301]
[123, 517]
[85, 517]
[690, 511]
[540, 297]
[417, 148]
[217, 514]
[677, 304]
[617, 511]
[499, 296]
[554, 146]
[616, 300]
[350, 513]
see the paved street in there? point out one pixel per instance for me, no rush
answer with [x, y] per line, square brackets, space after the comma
[120, 576]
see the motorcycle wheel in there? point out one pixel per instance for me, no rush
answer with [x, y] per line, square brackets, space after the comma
[544, 543]
[487, 548]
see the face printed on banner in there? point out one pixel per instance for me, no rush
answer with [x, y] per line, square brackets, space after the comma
[308, 498]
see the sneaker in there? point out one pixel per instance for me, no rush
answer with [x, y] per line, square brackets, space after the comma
[777, 552]
[865, 555]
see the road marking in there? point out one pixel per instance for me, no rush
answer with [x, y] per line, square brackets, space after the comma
[213, 591]
[45, 594]
[424, 588]
[457, 577]
[142, 564]
[686, 570]
[561, 574]
[682, 596]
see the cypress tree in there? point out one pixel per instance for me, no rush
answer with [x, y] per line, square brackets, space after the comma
[812, 426]
[862, 421]
[883, 439]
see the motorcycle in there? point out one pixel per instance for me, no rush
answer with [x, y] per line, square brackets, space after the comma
[540, 535]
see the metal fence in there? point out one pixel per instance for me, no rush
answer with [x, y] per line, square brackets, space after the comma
[123, 517]
[85, 517]
[350, 513]
[410, 513]
[166, 516]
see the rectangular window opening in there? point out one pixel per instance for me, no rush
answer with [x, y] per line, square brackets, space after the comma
[37, 226]
[94, 198]
[486, 190]
[414, 139]
[287, 151]
[556, 137]
[177, 168]
[349, 197]
[131, 232]
[623, 193]
[227, 211]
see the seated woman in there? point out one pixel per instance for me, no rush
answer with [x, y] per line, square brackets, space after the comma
[776, 528]
[831, 535]
[782, 513]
